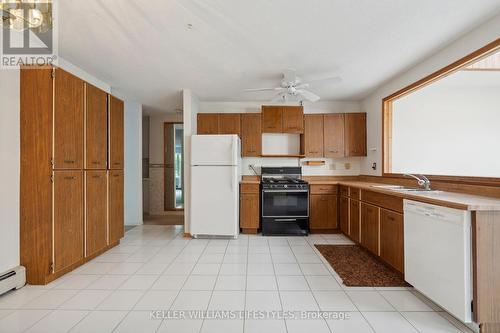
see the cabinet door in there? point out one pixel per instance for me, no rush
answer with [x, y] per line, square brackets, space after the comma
[391, 239]
[313, 135]
[229, 123]
[272, 121]
[293, 119]
[344, 215]
[323, 212]
[116, 209]
[96, 147]
[96, 211]
[68, 218]
[68, 121]
[355, 134]
[370, 227]
[251, 134]
[249, 211]
[354, 220]
[115, 133]
[334, 135]
[207, 123]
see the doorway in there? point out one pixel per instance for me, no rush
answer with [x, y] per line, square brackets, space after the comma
[174, 161]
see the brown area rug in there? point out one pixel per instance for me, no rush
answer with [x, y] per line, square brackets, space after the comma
[358, 268]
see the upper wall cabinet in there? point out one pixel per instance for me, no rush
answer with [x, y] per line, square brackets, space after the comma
[116, 133]
[282, 119]
[96, 128]
[355, 134]
[272, 119]
[251, 134]
[313, 135]
[334, 135]
[207, 123]
[229, 123]
[68, 120]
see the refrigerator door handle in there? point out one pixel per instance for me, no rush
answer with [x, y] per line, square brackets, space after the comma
[234, 151]
[233, 178]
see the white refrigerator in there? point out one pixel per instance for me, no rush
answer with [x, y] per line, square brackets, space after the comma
[215, 178]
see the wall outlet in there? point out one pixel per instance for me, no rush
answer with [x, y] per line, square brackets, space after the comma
[347, 166]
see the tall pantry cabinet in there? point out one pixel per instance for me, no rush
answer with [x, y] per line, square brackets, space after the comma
[66, 189]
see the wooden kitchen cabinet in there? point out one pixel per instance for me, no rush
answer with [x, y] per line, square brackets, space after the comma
[251, 135]
[333, 135]
[354, 222]
[96, 186]
[313, 135]
[370, 227]
[229, 123]
[96, 131]
[207, 123]
[323, 213]
[272, 119]
[115, 205]
[391, 239]
[68, 219]
[293, 119]
[116, 133]
[68, 120]
[344, 214]
[355, 134]
[249, 208]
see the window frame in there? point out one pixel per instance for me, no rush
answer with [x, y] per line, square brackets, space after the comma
[439, 74]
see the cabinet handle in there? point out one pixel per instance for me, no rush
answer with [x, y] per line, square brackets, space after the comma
[116, 163]
[96, 176]
[70, 178]
[271, 126]
[334, 151]
[390, 218]
[96, 162]
[69, 161]
[116, 175]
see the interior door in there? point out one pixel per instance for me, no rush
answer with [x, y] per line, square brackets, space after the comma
[68, 121]
[116, 133]
[68, 218]
[169, 169]
[116, 208]
[96, 211]
[96, 128]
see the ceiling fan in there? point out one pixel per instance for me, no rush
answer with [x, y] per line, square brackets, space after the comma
[292, 87]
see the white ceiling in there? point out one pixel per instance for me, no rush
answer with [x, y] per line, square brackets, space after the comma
[145, 49]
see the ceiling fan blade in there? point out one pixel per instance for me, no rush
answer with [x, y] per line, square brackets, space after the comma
[308, 95]
[263, 89]
[289, 75]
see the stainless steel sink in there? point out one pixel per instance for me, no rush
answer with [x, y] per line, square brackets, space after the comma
[400, 188]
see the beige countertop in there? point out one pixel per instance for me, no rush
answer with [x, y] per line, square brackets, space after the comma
[440, 198]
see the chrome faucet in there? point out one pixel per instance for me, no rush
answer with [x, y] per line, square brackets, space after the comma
[423, 181]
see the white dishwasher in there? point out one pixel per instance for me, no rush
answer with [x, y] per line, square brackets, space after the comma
[437, 247]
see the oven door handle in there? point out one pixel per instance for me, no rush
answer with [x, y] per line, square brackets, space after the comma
[285, 190]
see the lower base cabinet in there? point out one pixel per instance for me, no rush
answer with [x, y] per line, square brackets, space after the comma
[370, 227]
[391, 239]
[68, 219]
[354, 227]
[249, 208]
[96, 218]
[116, 208]
[323, 213]
[344, 214]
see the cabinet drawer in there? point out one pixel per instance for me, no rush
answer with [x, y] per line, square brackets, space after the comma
[354, 192]
[344, 190]
[324, 189]
[383, 200]
[249, 188]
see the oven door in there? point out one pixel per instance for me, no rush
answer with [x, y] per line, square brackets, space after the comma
[285, 203]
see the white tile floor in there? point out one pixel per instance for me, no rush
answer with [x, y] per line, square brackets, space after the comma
[155, 268]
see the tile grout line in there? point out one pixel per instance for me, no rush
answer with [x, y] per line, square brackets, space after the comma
[276, 279]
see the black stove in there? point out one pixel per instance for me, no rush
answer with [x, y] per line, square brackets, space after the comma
[285, 201]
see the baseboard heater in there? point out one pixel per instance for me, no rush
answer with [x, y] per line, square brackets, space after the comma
[12, 279]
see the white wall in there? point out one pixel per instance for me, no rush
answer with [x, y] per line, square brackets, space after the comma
[284, 144]
[191, 106]
[9, 169]
[463, 46]
[448, 127]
